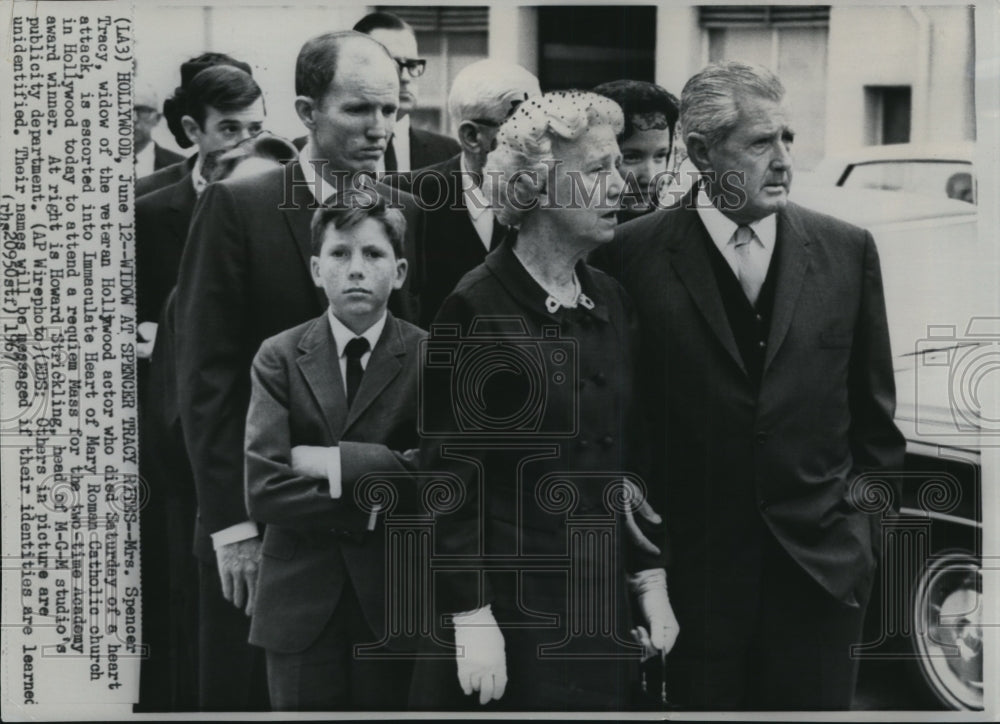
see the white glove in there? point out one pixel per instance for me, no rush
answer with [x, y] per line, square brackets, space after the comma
[482, 663]
[650, 586]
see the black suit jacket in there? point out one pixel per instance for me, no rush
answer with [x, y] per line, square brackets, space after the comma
[452, 246]
[426, 149]
[163, 157]
[298, 399]
[162, 218]
[785, 454]
[245, 277]
[166, 176]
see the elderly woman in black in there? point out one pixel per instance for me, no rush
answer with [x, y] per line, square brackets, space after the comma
[528, 402]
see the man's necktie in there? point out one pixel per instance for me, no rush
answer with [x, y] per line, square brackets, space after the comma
[752, 262]
[354, 351]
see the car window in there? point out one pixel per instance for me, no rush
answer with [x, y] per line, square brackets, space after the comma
[953, 179]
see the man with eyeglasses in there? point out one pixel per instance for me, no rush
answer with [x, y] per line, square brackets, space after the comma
[410, 148]
[149, 155]
[461, 228]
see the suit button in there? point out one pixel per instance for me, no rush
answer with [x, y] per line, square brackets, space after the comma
[760, 318]
[599, 379]
[583, 444]
[764, 504]
[761, 438]
[762, 344]
[607, 441]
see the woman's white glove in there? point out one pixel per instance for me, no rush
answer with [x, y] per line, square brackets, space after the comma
[482, 662]
[650, 587]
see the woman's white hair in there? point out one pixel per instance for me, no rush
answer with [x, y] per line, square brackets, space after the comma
[515, 173]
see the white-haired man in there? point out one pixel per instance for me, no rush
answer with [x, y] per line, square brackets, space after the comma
[149, 155]
[461, 228]
[768, 382]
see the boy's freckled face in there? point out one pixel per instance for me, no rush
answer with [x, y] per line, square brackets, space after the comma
[358, 270]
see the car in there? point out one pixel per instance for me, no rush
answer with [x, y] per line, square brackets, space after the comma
[940, 280]
[939, 170]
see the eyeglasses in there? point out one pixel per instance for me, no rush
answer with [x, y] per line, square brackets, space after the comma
[143, 111]
[414, 66]
[496, 124]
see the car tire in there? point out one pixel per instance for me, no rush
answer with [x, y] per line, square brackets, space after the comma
[947, 632]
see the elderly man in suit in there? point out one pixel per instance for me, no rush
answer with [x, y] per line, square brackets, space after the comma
[769, 384]
[244, 277]
[461, 227]
[149, 155]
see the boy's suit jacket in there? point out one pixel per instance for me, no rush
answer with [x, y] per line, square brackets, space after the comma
[244, 277]
[313, 544]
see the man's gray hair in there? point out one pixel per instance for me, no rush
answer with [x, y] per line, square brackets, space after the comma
[710, 99]
[490, 90]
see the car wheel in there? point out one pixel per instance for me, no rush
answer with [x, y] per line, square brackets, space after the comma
[948, 633]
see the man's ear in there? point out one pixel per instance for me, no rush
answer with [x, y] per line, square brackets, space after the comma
[401, 267]
[314, 268]
[697, 150]
[191, 128]
[305, 107]
[469, 136]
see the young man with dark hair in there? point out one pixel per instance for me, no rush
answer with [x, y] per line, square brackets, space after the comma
[174, 108]
[222, 105]
[332, 400]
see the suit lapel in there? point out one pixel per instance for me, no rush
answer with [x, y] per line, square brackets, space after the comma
[690, 260]
[182, 203]
[793, 261]
[320, 367]
[416, 150]
[382, 368]
[298, 214]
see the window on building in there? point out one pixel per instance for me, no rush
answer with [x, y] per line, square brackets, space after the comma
[449, 38]
[580, 47]
[792, 41]
[888, 112]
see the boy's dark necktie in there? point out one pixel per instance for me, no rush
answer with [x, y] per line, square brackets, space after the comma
[353, 351]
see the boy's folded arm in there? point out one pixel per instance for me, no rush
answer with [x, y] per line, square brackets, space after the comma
[310, 486]
[275, 492]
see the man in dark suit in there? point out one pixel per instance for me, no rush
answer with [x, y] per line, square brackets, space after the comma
[174, 108]
[244, 277]
[460, 227]
[770, 393]
[223, 107]
[410, 148]
[334, 399]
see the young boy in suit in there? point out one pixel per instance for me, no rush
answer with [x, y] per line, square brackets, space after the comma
[332, 400]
